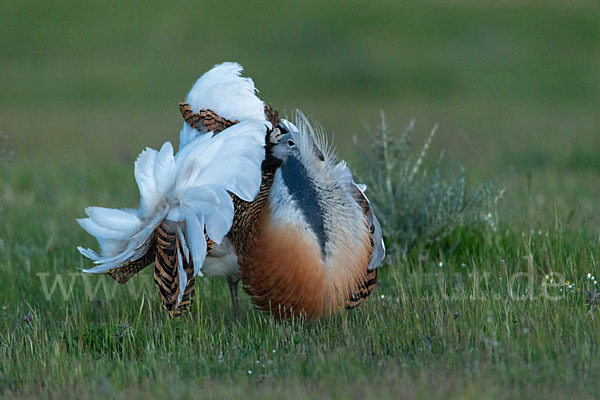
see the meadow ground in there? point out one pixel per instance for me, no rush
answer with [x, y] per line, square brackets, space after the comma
[516, 89]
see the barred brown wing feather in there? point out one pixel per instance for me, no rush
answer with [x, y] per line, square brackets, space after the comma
[205, 120]
[243, 230]
[366, 286]
[244, 234]
[272, 115]
[166, 272]
[364, 289]
[126, 271]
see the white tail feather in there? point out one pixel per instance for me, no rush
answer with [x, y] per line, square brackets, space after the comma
[224, 91]
[191, 189]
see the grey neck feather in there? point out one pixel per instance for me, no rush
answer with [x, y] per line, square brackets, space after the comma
[304, 192]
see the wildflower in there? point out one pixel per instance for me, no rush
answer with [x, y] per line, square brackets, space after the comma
[249, 372]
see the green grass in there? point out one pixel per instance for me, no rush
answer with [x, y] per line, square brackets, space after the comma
[515, 88]
[469, 328]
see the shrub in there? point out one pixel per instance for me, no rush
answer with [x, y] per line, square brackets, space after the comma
[414, 206]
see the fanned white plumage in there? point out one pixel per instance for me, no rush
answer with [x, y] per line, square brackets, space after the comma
[191, 188]
[154, 174]
[119, 249]
[224, 91]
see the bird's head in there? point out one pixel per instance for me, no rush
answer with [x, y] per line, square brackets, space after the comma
[298, 145]
[303, 144]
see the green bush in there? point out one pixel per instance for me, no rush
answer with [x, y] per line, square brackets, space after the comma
[416, 206]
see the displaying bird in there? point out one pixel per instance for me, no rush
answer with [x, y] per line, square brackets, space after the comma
[248, 196]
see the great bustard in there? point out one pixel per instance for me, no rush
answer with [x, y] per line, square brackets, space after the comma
[250, 196]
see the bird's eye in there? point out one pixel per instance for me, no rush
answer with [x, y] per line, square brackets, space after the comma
[291, 143]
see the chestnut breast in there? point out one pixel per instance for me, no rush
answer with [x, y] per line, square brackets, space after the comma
[302, 257]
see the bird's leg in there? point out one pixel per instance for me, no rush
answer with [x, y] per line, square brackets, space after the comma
[233, 282]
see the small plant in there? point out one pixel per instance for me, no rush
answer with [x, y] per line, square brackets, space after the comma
[416, 206]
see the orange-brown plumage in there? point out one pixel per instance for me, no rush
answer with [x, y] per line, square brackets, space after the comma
[284, 272]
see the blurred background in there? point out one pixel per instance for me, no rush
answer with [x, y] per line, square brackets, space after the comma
[514, 85]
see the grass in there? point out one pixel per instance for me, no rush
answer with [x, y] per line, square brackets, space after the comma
[514, 87]
[460, 326]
